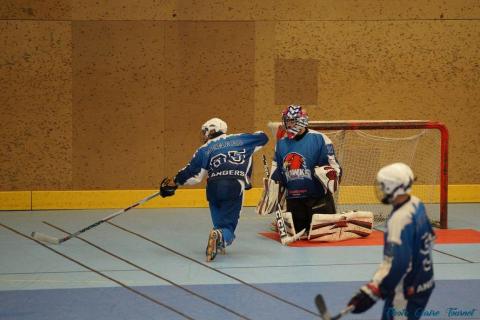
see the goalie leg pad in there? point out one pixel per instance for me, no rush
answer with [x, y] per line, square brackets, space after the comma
[342, 226]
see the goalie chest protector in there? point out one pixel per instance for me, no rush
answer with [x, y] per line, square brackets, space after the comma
[296, 161]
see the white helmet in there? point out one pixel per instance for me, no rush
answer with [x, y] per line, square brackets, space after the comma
[213, 127]
[394, 180]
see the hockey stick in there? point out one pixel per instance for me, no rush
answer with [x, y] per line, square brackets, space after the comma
[282, 231]
[46, 238]
[262, 204]
[322, 308]
[265, 167]
[285, 239]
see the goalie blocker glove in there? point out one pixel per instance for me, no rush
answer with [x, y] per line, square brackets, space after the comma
[167, 189]
[328, 176]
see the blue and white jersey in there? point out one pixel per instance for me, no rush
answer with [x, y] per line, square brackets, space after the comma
[407, 265]
[296, 160]
[223, 157]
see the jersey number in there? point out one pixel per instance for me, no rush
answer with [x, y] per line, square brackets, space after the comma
[426, 250]
[234, 157]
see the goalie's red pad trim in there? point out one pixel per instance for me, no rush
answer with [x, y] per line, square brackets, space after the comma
[376, 239]
[358, 233]
[343, 223]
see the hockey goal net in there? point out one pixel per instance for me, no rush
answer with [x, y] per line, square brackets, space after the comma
[363, 147]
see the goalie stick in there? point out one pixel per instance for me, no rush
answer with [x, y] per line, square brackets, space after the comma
[263, 204]
[285, 239]
[322, 308]
[265, 167]
[46, 238]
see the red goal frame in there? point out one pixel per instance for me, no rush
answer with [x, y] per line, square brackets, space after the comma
[397, 124]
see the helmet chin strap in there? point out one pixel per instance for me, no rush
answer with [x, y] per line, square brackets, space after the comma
[389, 198]
[213, 135]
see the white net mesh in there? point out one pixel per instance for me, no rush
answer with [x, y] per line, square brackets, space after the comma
[362, 153]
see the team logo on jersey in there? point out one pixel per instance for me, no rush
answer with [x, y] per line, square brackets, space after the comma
[295, 167]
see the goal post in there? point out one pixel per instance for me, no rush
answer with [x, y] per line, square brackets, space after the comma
[364, 146]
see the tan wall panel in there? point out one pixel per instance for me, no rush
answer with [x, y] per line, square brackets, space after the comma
[35, 10]
[396, 70]
[305, 10]
[177, 10]
[141, 89]
[296, 81]
[35, 105]
[118, 104]
[225, 10]
[123, 10]
[211, 74]
[265, 109]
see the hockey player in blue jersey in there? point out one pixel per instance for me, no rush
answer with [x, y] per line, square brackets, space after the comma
[226, 160]
[405, 277]
[306, 166]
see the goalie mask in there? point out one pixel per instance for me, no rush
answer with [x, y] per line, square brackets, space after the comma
[213, 128]
[294, 119]
[394, 180]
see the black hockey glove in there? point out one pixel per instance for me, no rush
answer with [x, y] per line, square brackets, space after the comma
[364, 299]
[167, 188]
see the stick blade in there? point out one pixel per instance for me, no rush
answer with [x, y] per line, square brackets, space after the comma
[322, 307]
[287, 240]
[44, 238]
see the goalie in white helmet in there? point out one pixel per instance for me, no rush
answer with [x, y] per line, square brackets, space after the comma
[405, 277]
[226, 160]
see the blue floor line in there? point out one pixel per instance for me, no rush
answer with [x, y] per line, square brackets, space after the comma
[449, 296]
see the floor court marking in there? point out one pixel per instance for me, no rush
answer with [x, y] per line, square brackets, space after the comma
[62, 272]
[323, 265]
[96, 282]
[452, 255]
[458, 236]
[220, 268]
[151, 272]
[214, 269]
[143, 295]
